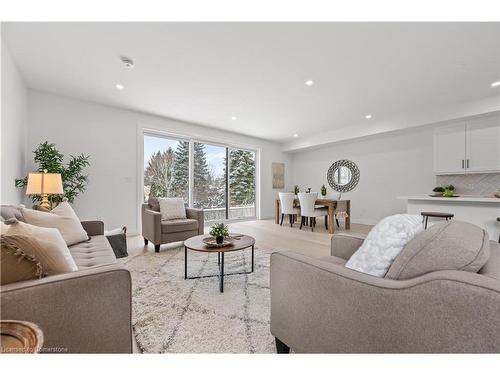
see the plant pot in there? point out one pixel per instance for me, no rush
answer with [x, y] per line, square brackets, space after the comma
[219, 240]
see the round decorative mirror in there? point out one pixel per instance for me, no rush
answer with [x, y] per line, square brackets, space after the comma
[343, 175]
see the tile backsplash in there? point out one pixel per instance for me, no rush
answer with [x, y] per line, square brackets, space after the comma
[472, 184]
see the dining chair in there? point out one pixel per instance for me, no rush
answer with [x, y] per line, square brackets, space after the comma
[287, 208]
[308, 210]
[340, 211]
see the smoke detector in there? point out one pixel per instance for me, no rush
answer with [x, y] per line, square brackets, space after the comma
[128, 62]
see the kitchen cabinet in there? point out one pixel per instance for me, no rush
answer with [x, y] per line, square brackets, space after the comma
[468, 146]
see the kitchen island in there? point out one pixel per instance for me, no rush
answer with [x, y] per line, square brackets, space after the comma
[481, 211]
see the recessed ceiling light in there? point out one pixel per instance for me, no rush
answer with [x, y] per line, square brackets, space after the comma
[234, 118]
[368, 117]
[119, 86]
[295, 135]
[309, 82]
[495, 84]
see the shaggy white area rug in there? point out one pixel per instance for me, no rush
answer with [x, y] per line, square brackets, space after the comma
[173, 315]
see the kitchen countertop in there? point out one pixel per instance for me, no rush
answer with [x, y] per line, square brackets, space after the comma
[462, 198]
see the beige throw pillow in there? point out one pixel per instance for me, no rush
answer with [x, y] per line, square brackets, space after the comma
[62, 218]
[454, 245]
[51, 250]
[15, 263]
[172, 208]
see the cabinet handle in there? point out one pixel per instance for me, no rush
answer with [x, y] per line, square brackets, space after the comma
[467, 163]
[463, 164]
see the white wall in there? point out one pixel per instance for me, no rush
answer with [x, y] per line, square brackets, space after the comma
[13, 133]
[390, 165]
[110, 136]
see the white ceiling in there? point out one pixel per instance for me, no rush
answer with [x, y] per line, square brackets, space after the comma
[208, 72]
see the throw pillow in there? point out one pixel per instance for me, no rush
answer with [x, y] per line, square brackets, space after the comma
[383, 244]
[454, 245]
[50, 248]
[172, 208]
[15, 263]
[62, 218]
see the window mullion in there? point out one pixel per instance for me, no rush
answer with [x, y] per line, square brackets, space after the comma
[191, 174]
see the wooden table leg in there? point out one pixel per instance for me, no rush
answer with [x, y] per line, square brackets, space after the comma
[277, 211]
[331, 221]
[348, 218]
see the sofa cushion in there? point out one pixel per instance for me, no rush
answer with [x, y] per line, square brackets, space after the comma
[384, 243]
[9, 212]
[453, 245]
[172, 208]
[94, 252]
[492, 266]
[49, 247]
[62, 218]
[15, 263]
[178, 225]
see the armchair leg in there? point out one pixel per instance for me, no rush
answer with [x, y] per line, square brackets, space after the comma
[281, 347]
[146, 242]
[157, 248]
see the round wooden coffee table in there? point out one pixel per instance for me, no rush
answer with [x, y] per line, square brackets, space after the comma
[240, 242]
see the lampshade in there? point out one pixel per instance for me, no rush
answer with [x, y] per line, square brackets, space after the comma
[44, 183]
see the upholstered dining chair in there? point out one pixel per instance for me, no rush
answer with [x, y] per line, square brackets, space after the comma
[340, 211]
[287, 208]
[309, 210]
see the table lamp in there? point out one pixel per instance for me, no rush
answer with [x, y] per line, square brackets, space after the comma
[44, 184]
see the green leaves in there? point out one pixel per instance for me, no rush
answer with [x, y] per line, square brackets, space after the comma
[219, 230]
[50, 159]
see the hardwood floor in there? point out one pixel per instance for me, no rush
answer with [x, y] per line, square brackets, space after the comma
[271, 236]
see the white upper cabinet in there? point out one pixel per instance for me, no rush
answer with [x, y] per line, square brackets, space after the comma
[469, 146]
[449, 149]
[483, 144]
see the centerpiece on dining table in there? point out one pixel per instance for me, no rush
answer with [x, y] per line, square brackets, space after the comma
[219, 236]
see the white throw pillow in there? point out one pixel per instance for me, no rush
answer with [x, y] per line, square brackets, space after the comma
[383, 244]
[172, 208]
[54, 254]
[63, 218]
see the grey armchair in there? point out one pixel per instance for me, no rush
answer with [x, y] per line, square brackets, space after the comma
[320, 306]
[160, 231]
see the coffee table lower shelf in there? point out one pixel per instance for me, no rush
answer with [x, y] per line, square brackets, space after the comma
[220, 262]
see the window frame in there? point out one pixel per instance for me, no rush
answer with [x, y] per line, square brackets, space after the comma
[154, 132]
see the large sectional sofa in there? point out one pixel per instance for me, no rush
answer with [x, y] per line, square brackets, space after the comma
[87, 311]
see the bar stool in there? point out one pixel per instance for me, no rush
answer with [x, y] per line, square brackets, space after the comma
[427, 215]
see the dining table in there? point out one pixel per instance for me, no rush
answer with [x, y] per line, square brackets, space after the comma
[330, 204]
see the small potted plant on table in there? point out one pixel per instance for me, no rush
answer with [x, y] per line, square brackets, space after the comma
[323, 191]
[219, 231]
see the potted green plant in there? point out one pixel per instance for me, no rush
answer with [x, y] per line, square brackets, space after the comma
[219, 231]
[445, 191]
[323, 190]
[48, 159]
[296, 189]
[438, 190]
